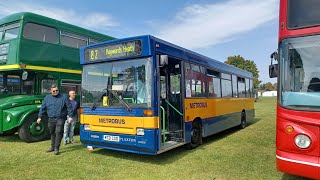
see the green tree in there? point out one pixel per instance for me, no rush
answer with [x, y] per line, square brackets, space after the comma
[262, 87]
[247, 65]
[269, 87]
[275, 86]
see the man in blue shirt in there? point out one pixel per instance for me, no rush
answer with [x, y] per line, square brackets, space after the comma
[57, 106]
[69, 127]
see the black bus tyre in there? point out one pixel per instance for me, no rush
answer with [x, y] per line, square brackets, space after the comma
[195, 135]
[243, 120]
[31, 131]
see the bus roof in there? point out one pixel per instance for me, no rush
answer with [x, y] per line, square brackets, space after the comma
[36, 18]
[177, 52]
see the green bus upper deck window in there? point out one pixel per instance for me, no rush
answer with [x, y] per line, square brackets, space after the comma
[40, 33]
[93, 41]
[73, 40]
[11, 31]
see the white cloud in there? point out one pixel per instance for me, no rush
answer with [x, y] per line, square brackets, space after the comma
[91, 21]
[201, 26]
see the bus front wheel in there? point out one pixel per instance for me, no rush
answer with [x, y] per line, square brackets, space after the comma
[195, 135]
[31, 131]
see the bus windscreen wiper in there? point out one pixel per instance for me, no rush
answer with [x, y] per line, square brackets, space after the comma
[120, 100]
[94, 105]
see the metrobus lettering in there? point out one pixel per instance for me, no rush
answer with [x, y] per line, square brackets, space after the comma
[112, 121]
[198, 105]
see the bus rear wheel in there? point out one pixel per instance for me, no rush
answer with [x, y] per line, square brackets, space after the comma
[31, 131]
[243, 120]
[195, 135]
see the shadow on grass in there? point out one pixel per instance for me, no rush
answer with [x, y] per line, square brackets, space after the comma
[10, 138]
[293, 177]
[221, 135]
[170, 156]
[254, 121]
[71, 148]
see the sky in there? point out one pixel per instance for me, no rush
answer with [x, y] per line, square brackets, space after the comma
[215, 28]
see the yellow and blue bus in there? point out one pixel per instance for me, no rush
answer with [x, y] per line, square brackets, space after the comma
[145, 95]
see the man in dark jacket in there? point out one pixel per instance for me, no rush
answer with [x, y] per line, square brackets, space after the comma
[57, 106]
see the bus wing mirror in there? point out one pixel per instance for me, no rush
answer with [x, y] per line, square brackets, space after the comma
[24, 75]
[273, 70]
[274, 56]
[163, 60]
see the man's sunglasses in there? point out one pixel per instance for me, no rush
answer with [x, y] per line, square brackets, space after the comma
[55, 91]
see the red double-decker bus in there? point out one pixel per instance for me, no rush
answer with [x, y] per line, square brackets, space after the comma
[298, 72]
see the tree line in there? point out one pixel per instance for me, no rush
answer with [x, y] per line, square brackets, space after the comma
[249, 65]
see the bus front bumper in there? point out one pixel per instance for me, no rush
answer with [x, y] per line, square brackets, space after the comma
[146, 144]
[298, 164]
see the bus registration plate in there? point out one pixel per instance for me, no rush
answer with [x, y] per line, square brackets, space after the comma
[111, 138]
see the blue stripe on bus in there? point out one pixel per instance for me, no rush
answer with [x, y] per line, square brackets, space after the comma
[146, 144]
[220, 123]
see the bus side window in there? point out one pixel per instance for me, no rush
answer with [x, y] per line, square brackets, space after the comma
[46, 84]
[235, 86]
[214, 84]
[199, 81]
[73, 40]
[241, 87]
[40, 33]
[68, 85]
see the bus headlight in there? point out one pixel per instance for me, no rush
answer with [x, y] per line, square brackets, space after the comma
[86, 127]
[302, 141]
[8, 118]
[140, 132]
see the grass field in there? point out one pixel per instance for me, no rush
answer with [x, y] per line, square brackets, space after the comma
[233, 154]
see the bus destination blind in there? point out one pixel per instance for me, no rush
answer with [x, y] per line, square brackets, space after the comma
[112, 51]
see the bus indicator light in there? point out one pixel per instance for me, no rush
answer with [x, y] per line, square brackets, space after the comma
[289, 129]
[148, 112]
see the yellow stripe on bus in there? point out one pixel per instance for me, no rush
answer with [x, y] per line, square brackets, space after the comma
[212, 107]
[42, 68]
[13, 66]
[53, 69]
[119, 124]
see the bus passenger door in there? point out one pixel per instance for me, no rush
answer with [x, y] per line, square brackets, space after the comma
[171, 103]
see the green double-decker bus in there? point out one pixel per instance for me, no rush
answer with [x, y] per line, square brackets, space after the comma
[36, 51]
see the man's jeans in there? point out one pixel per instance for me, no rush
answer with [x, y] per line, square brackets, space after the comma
[56, 131]
[69, 130]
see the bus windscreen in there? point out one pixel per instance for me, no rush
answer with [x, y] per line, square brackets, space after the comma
[303, 14]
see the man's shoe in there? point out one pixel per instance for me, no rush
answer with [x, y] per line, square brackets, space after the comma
[56, 152]
[50, 150]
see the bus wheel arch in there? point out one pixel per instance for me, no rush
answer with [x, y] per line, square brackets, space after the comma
[30, 131]
[243, 122]
[196, 133]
